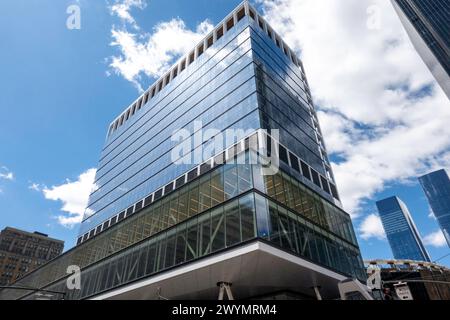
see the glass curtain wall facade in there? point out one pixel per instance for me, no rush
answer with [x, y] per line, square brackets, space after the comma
[427, 24]
[246, 80]
[436, 186]
[217, 89]
[148, 214]
[402, 234]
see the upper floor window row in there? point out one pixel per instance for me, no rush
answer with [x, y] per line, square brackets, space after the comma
[226, 25]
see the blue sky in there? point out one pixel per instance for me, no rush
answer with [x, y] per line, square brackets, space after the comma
[60, 92]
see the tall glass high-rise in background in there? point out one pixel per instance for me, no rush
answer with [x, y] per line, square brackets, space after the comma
[180, 222]
[402, 234]
[428, 26]
[436, 186]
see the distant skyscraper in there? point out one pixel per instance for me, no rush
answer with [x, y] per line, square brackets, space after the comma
[428, 26]
[436, 186]
[401, 231]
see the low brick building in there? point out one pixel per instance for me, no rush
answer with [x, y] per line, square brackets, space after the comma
[22, 251]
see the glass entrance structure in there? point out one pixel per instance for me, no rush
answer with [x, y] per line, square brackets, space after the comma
[158, 214]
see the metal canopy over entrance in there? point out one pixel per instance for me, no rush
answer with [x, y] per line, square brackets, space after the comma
[254, 269]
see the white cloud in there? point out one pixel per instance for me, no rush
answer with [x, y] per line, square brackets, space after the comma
[371, 227]
[74, 196]
[381, 110]
[431, 214]
[435, 239]
[35, 187]
[122, 8]
[6, 174]
[152, 54]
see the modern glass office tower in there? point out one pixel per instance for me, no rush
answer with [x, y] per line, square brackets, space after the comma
[175, 212]
[436, 186]
[401, 231]
[428, 26]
